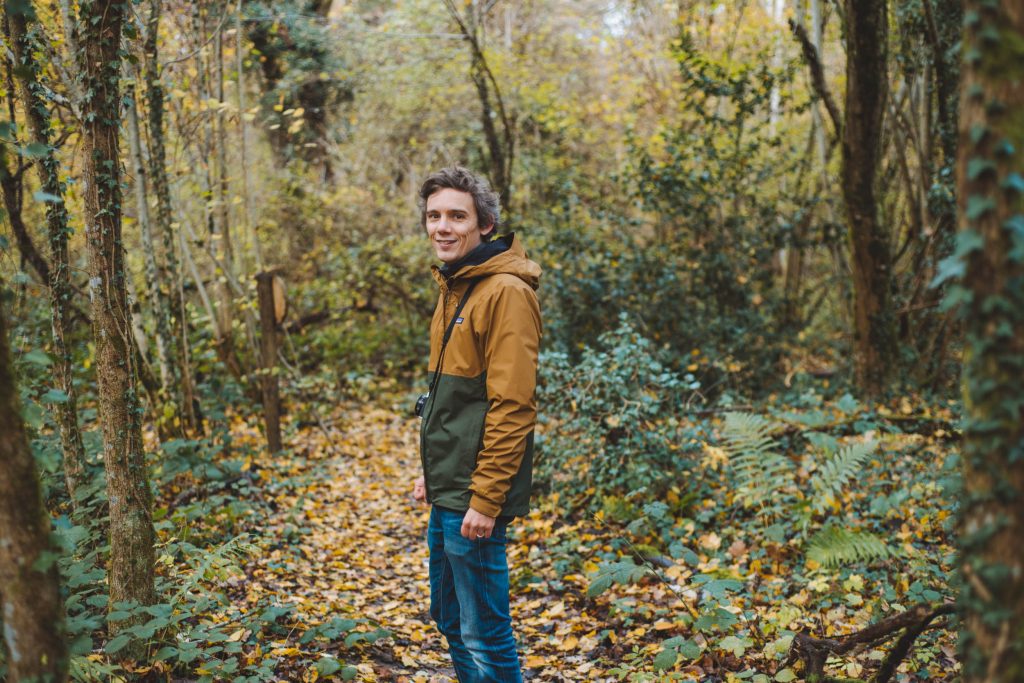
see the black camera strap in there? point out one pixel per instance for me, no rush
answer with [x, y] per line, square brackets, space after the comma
[448, 334]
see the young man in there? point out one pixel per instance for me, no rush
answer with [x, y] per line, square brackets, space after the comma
[476, 437]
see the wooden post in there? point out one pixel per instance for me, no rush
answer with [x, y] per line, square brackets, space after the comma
[271, 313]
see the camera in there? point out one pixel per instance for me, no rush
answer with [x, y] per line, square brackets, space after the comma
[420, 403]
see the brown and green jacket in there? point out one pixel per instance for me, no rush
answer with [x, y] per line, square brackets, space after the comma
[476, 436]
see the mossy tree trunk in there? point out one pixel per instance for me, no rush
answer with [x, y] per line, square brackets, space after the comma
[990, 254]
[172, 278]
[23, 36]
[30, 602]
[871, 261]
[131, 526]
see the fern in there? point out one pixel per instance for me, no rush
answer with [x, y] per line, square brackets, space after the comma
[839, 470]
[760, 471]
[834, 546]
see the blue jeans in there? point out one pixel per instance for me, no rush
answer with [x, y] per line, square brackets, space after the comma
[469, 599]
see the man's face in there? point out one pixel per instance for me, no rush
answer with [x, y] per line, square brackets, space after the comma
[452, 224]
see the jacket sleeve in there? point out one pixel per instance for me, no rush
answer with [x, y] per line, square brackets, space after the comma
[511, 344]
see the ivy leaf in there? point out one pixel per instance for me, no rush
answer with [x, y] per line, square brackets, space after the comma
[978, 166]
[978, 206]
[952, 267]
[1015, 225]
[966, 242]
[41, 196]
[34, 150]
[1014, 182]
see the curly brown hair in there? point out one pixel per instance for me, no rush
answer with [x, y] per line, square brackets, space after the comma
[485, 200]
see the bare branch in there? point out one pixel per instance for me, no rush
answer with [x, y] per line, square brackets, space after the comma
[818, 76]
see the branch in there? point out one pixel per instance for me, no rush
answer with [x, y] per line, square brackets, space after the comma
[815, 652]
[478, 56]
[817, 75]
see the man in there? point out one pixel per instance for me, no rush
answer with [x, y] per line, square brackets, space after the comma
[476, 437]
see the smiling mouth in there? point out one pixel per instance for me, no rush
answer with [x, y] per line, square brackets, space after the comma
[446, 243]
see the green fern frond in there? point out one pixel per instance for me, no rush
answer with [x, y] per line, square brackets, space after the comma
[759, 470]
[834, 546]
[845, 465]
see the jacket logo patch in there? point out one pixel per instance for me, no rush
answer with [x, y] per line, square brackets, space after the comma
[458, 321]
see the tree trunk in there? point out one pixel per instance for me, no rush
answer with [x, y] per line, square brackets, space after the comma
[990, 173]
[500, 148]
[157, 290]
[23, 37]
[161, 189]
[131, 526]
[30, 602]
[10, 184]
[866, 85]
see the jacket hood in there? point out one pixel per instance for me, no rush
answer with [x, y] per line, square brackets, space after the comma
[503, 254]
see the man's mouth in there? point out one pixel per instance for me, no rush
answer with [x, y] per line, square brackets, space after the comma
[446, 243]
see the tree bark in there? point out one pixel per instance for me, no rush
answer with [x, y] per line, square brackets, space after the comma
[990, 173]
[30, 602]
[866, 86]
[23, 37]
[131, 526]
[164, 216]
[157, 289]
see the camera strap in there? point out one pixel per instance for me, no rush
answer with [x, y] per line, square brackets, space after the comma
[448, 334]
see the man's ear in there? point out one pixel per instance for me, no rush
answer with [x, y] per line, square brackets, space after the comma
[488, 231]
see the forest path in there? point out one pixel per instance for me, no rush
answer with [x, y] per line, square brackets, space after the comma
[364, 556]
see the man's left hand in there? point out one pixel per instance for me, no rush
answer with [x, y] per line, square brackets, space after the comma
[476, 525]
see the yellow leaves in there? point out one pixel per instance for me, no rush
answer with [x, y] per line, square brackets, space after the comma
[800, 598]
[710, 541]
[535, 661]
[240, 635]
[556, 610]
[905, 407]
[715, 457]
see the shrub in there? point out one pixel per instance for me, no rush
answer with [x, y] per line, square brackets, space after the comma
[613, 420]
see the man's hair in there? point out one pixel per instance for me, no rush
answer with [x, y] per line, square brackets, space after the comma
[485, 200]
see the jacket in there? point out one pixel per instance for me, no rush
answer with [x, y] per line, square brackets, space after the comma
[476, 435]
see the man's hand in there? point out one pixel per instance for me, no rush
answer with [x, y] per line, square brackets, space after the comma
[419, 490]
[477, 525]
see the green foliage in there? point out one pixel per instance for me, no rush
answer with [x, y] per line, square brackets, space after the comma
[614, 420]
[304, 74]
[837, 472]
[765, 478]
[834, 546]
[759, 471]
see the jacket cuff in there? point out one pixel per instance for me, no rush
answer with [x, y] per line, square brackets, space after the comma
[484, 506]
